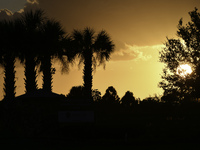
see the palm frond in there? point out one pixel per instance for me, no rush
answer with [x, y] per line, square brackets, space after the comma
[103, 47]
[64, 63]
[68, 49]
[77, 41]
[33, 18]
[81, 60]
[94, 63]
[88, 37]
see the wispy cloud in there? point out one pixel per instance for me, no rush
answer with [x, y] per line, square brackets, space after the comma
[132, 52]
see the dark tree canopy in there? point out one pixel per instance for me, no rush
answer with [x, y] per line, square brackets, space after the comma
[96, 95]
[110, 96]
[76, 92]
[185, 50]
[128, 99]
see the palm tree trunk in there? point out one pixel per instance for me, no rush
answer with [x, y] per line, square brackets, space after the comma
[47, 74]
[87, 75]
[30, 75]
[9, 78]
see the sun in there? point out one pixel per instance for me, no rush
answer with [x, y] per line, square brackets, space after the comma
[184, 70]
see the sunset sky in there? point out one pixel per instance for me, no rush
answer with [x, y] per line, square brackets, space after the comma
[138, 28]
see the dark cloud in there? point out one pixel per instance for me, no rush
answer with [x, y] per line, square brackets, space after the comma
[13, 5]
[9, 15]
[5, 14]
[31, 5]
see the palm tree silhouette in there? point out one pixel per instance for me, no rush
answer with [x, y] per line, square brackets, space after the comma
[31, 23]
[92, 50]
[8, 53]
[53, 47]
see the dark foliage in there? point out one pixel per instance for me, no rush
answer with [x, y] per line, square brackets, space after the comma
[76, 93]
[128, 99]
[96, 95]
[177, 52]
[110, 97]
[170, 98]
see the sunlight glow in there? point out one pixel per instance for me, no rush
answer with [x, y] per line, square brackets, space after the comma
[184, 70]
[183, 42]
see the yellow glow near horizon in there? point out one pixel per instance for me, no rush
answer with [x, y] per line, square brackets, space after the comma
[184, 70]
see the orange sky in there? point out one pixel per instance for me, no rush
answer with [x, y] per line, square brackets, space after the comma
[137, 27]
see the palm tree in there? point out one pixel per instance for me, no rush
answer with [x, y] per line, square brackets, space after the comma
[31, 23]
[92, 50]
[54, 46]
[8, 51]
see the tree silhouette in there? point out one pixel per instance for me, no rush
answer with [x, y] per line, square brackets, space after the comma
[31, 23]
[170, 98]
[128, 99]
[96, 95]
[92, 50]
[54, 44]
[8, 52]
[183, 51]
[76, 92]
[110, 96]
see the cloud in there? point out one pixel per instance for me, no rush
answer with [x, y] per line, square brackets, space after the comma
[30, 5]
[5, 14]
[32, 1]
[131, 52]
[9, 15]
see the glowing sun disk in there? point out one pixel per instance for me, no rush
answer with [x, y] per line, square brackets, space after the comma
[184, 70]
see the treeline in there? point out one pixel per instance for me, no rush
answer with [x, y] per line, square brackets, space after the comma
[114, 117]
[111, 98]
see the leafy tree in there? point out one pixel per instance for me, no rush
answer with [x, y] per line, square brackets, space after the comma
[96, 95]
[185, 50]
[170, 98]
[8, 54]
[92, 50]
[76, 92]
[128, 99]
[151, 100]
[110, 96]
